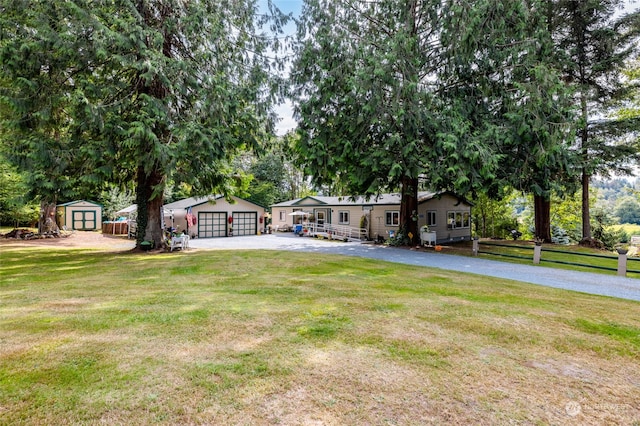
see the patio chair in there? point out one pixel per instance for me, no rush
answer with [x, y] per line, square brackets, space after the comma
[181, 242]
[132, 228]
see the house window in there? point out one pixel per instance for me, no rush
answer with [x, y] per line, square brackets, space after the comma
[392, 218]
[457, 220]
[343, 217]
[431, 218]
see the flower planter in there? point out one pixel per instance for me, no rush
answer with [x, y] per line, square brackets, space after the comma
[428, 237]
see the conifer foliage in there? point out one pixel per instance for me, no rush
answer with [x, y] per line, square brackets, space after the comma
[459, 94]
[144, 90]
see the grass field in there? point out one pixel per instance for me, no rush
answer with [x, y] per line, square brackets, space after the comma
[215, 337]
[630, 229]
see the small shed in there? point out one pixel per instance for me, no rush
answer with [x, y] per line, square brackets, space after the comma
[80, 215]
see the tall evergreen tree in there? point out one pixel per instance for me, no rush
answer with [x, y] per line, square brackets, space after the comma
[628, 106]
[368, 114]
[168, 90]
[503, 82]
[591, 48]
[42, 54]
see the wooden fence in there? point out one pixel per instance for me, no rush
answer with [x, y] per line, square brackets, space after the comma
[624, 264]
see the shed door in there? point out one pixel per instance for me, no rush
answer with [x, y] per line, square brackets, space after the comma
[245, 223]
[212, 224]
[84, 219]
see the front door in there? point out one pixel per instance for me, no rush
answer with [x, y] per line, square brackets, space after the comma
[322, 216]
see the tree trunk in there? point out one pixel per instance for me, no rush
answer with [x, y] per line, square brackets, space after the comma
[542, 212]
[48, 222]
[584, 136]
[409, 207]
[586, 215]
[150, 211]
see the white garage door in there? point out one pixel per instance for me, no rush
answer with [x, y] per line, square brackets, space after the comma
[212, 224]
[245, 223]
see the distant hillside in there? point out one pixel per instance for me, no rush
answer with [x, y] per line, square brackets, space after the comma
[619, 197]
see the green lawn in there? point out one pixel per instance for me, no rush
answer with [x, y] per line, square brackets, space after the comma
[630, 229]
[233, 337]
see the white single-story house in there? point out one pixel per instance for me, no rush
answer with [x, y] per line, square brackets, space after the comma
[214, 216]
[80, 215]
[445, 213]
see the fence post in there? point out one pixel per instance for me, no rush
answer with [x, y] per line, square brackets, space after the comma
[475, 246]
[622, 262]
[537, 252]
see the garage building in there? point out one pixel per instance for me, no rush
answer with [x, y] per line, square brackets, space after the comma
[215, 216]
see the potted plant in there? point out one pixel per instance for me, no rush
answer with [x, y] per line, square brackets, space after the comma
[622, 248]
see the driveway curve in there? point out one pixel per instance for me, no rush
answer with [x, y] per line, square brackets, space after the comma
[586, 282]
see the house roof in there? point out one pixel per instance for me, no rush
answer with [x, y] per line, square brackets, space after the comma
[382, 199]
[340, 201]
[196, 201]
[180, 204]
[190, 202]
[431, 195]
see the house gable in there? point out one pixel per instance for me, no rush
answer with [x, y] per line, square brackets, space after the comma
[426, 197]
[309, 201]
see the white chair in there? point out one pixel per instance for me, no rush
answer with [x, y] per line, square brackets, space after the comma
[132, 226]
[181, 242]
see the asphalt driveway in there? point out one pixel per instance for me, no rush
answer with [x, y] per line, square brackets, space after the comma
[586, 282]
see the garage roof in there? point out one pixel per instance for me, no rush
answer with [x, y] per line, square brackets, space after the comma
[196, 201]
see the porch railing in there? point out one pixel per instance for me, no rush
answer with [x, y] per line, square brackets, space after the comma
[339, 232]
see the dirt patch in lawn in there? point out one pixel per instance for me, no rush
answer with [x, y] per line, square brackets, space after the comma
[76, 239]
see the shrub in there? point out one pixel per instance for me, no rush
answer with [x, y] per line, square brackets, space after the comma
[399, 239]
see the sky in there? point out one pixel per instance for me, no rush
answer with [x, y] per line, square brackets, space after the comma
[285, 111]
